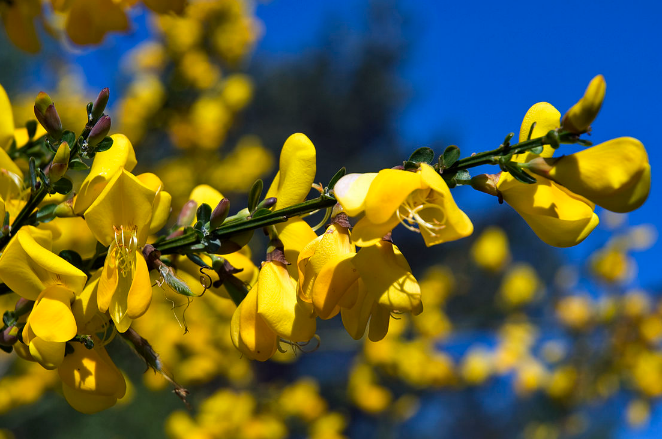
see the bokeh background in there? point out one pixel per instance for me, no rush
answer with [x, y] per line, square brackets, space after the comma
[517, 339]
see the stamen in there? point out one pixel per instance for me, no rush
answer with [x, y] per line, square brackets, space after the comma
[125, 247]
[409, 215]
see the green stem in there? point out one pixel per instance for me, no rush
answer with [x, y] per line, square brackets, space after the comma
[227, 231]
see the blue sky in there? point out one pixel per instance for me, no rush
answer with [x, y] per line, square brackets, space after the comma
[474, 68]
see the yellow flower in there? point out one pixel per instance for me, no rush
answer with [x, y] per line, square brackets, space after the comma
[519, 285]
[18, 20]
[615, 174]
[6, 120]
[120, 218]
[29, 268]
[88, 21]
[90, 380]
[491, 251]
[579, 117]
[558, 216]
[105, 166]
[420, 200]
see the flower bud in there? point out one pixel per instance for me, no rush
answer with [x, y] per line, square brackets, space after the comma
[100, 104]
[23, 305]
[267, 203]
[46, 114]
[220, 213]
[65, 209]
[9, 336]
[187, 213]
[579, 117]
[99, 131]
[60, 162]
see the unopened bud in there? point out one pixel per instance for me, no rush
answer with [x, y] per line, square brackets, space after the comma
[99, 131]
[579, 117]
[9, 336]
[44, 111]
[220, 213]
[267, 203]
[23, 306]
[187, 213]
[100, 104]
[60, 162]
[486, 183]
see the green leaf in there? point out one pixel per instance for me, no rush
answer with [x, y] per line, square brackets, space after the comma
[204, 213]
[537, 149]
[255, 194]
[197, 260]
[46, 213]
[31, 125]
[450, 156]
[260, 212]
[78, 165]
[422, 155]
[410, 165]
[63, 186]
[69, 137]
[462, 175]
[337, 176]
[104, 145]
[519, 174]
[72, 257]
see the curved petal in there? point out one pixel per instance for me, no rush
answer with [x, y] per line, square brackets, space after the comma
[355, 319]
[379, 321]
[351, 192]
[456, 223]
[278, 304]
[74, 235]
[160, 212]
[85, 304]
[389, 189]
[296, 172]
[49, 354]
[546, 118]
[105, 166]
[333, 282]
[295, 234]
[92, 371]
[87, 403]
[140, 294]
[366, 233]
[249, 332]
[6, 120]
[51, 318]
[126, 202]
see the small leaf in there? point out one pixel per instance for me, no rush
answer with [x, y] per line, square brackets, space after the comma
[104, 145]
[255, 194]
[422, 155]
[78, 165]
[519, 174]
[72, 257]
[410, 165]
[462, 175]
[46, 213]
[31, 125]
[69, 137]
[204, 213]
[537, 149]
[197, 260]
[450, 156]
[584, 142]
[337, 176]
[213, 245]
[63, 186]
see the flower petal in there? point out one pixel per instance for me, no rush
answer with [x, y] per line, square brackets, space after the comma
[295, 234]
[49, 354]
[296, 173]
[51, 318]
[140, 294]
[249, 332]
[351, 191]
[379, 321]
[92, 371]
[87, 403]
[546, 118]
[355, 319]
[107, 282]
[366, 233]
[388, 191]
[333, 282]
[6, 121]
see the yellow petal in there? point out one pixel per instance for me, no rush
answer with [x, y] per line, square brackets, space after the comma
[333, 282]
[379, 320]
[546, 118]
[351, 191]
[559, 217]
[249, 332]
[74, 235]
[51, 318]
[21, 135]
[107, 282]
[28, 268]
[580, 116]
[355, 319]
[85, 304]
[296, 173]
[456, 223]
[388, 277]
[124, 202]
[205, 194]
[280, 307]
[88, 22]
[18, 20]
[295, 234]
[140, 294]
[6, 120]
[388, 191]
[8, 165]
[161, 211]
[366, 233]
[305, 282]
[105, 166]
[49, 354]
[92, 371]
[614, 175]
[87, 403]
